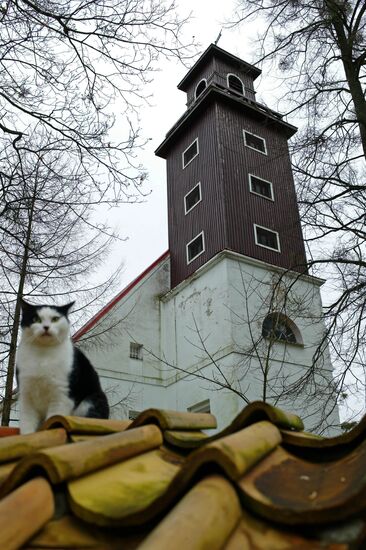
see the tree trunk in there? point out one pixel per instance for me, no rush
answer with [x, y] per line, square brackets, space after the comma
[351, 70]
[5, 417]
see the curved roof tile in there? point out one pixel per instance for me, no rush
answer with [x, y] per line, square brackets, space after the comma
[162, 483]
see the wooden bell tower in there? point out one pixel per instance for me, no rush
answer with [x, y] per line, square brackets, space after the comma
[229, 177]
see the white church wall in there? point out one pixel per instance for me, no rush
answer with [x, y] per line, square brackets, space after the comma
[135, 318]
[203, 320]
[256, 289]
[211, 310]
[196, 310]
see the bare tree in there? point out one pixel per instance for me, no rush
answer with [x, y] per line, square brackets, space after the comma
[67, 74]
[319, 50]
[49, 247]
[70, 70]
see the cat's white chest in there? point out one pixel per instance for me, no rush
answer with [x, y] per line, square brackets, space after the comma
[44, 383]
[52, 363]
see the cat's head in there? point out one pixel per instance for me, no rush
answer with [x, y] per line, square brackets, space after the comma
[45, 325]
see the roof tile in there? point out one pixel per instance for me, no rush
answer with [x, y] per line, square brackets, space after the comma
[71, 461]
[81, 425]
[204, 518]
[21, 445]
[162, 483]
[238, 452]
[326, 492]
[25, 511]
[110, 495]
[185, 439]
[252, 533]
[69, 532]
[174, 420]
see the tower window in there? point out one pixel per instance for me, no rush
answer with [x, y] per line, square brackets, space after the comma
[190, 153]
[266, 238]
[192, 198]
[235, 84]
[277, 326]
[201, 86]
[195, 247]
[136, 350]
[261, 187]
[255, 142]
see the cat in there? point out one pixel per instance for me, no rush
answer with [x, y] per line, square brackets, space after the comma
[54, 377]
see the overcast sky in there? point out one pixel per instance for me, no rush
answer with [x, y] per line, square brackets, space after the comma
[145, 225]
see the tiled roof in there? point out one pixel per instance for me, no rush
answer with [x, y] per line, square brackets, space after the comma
[161, 483]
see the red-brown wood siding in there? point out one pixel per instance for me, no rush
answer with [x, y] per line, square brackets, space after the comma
[209, 214]
[243, 208]
[224, 68]
[228, 209]
[206, 72]
[216, 71]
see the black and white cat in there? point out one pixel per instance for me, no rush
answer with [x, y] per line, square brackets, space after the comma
[54, 377]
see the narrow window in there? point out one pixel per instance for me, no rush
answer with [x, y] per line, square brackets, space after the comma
[277, 326]
[255, 142]
[192, 198]
[136, 351]
[201, 86]
[261, 187]
[190, 153]
[195, 247]
[235, 84]
[201, 407]
[266, 238]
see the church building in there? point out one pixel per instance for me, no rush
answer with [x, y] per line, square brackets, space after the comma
[229, 314]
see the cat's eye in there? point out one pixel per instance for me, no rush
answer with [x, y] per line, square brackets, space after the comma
[54, 319]
[36, 319]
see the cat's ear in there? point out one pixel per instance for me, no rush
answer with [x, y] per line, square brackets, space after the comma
[24, 305]
[66, 308]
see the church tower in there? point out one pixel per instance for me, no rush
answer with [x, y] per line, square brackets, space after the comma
[229, 177]
[229, 314]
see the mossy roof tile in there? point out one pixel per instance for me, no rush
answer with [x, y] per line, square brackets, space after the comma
[161, 482]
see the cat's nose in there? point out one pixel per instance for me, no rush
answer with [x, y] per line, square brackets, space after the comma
[46, 327]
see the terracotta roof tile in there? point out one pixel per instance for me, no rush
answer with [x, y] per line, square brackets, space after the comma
[24, 512]
[185, 439]
[5, 431]
[22, 445]
[81, 425]
[252, 533]
[204, 518]
[160, 483]
[70, 461]
[126, 490]
[325, 492]
[174, 420]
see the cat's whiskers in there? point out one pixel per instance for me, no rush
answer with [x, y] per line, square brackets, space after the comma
[58, 338]
[30, 339]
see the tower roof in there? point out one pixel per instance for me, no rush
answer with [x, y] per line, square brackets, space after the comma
[212, 92]
[218, 52]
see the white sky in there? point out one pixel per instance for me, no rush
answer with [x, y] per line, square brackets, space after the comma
[145, 225]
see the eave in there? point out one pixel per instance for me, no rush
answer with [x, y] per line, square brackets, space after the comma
[215, 93]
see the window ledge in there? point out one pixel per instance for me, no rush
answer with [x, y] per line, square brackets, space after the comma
[284, 342]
